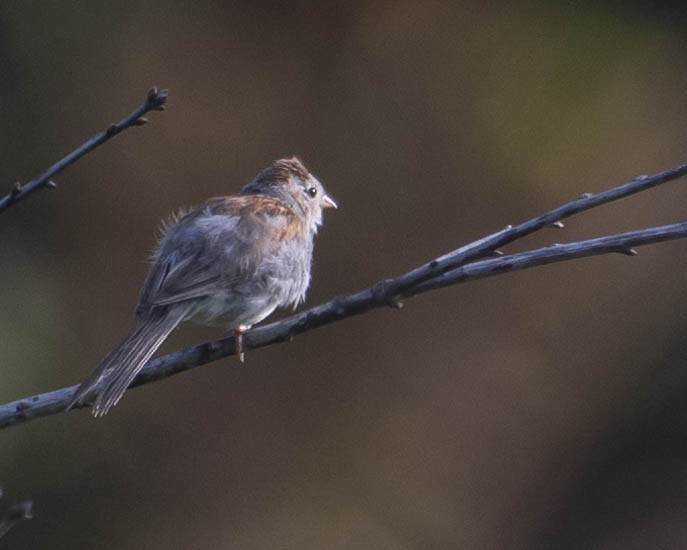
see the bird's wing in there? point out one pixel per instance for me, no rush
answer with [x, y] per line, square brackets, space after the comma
[216, 247]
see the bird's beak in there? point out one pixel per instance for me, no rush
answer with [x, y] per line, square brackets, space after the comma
[328, 202]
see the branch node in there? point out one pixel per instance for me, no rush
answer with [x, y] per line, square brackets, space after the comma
[157, 99]
[382, 294]
[112, 129]
[586, 196]
[16, 189]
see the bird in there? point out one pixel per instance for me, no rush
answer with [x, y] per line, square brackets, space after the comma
[230, 262]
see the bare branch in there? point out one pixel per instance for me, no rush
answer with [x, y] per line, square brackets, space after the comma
[488, 245]
[155, 101]
[464, 264]
[622, 243]
[341, 307]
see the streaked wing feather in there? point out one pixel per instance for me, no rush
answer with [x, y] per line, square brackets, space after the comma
[215, 247]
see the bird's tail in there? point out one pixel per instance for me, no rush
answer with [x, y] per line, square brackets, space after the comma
[122, 365]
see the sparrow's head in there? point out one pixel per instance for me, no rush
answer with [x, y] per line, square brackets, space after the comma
[290, 181]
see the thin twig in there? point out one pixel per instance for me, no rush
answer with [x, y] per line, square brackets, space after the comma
[622, 243]
[155, 101]
[346, 306]
[488, 245]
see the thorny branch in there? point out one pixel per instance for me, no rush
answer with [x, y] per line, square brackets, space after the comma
[155, 101]
[470, 262]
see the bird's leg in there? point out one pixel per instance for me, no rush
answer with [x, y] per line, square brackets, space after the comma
[238, 340]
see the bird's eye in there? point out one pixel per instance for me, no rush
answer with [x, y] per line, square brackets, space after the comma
[312, 192]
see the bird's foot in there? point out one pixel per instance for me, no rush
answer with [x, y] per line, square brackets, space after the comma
[238, 341]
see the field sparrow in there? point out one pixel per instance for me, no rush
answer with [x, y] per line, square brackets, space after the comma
[231, 262]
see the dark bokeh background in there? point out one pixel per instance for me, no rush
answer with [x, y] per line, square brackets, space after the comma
[543, 409]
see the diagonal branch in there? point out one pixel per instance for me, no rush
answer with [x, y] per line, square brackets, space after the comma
[464, 264]
[155, 101]
[343, 307]
[622, 243]
[490, 244]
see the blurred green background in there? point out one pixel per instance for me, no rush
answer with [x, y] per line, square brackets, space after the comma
[542, 409]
